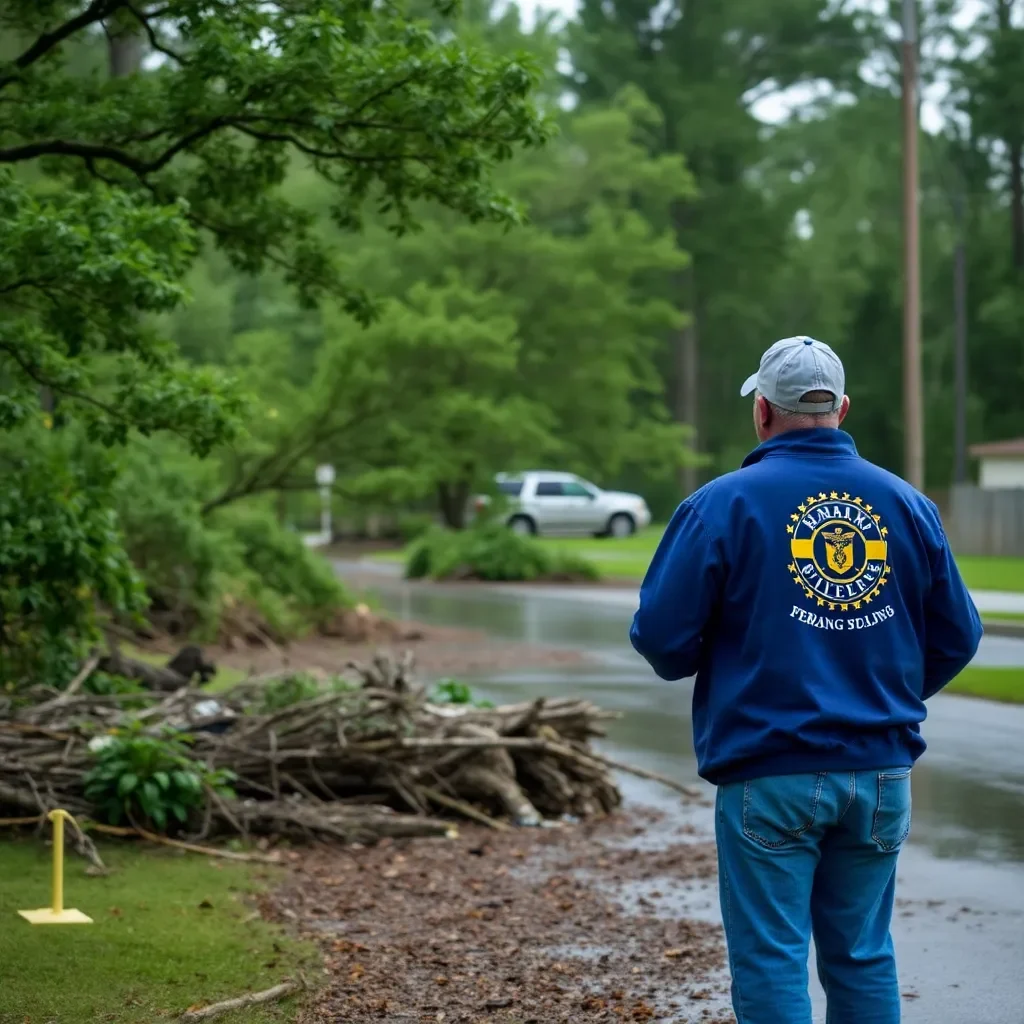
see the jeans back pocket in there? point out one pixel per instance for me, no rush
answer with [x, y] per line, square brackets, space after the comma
[778, 809]
[891, 823]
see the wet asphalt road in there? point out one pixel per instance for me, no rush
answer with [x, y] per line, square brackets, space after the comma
[959, 926]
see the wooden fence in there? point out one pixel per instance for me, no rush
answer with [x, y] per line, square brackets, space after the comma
[985, 522]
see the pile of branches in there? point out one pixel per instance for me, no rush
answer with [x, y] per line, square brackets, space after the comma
[355, 761]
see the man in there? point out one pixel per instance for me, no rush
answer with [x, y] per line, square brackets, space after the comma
[815, 598]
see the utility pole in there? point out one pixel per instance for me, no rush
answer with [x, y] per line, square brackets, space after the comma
[960, 341]
[913, 412]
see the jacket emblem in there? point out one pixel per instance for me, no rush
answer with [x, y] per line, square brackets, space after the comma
[839, 551]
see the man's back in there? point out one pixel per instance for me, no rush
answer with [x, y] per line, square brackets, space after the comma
[816, 600]
[814, 596]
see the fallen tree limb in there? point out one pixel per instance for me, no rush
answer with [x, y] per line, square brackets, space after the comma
[270, 995]
[76, 684]
[525, 743]
[82, 843]
[177, 844]
[642, 773]
[153, 677]
[354, 760]
[466, 810]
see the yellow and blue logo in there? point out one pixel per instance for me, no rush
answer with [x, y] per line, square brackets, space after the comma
[839, 551]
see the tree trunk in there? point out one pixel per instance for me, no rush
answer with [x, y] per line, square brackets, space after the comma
[687, 367]
[453, 499]
[1016, 148]
[152, 677]
[47, 400]
[124, 47]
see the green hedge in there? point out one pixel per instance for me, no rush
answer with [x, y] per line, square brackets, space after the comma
[492, 552]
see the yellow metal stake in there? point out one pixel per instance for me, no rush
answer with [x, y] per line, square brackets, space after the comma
[56, 914]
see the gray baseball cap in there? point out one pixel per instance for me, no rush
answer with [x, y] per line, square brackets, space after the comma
[793, 367]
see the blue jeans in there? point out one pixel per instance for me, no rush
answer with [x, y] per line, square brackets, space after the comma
[812, 854]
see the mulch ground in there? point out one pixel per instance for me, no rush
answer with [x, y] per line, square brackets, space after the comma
[526, 927]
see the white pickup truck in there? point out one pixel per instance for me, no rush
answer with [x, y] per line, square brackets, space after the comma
[550, 503]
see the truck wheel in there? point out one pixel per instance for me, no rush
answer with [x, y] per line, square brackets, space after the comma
[621, 525]
[524, 526]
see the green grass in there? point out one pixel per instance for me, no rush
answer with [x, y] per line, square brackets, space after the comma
[628, 559]
[1002, 684]
[391, 555]
[155, 948]
[983, 573]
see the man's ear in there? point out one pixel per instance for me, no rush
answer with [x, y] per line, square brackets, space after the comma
[764, 412]
[844, 408]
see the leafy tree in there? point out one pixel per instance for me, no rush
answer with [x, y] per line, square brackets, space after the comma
[703, 65]
[378, 107]
[991, 92]
[841, 277]
[584, 281]
[466, 372]
[115, 176]
[416, 404]
[452, 357]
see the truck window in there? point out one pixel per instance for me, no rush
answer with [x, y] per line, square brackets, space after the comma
[576, 490]
[550, 489]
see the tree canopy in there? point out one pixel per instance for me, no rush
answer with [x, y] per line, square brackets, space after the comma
[125, 177]
[427, 243]
[466, 372]
[134, 138]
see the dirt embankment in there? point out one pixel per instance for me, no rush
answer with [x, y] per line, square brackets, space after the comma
[535, 926]
[438, 652]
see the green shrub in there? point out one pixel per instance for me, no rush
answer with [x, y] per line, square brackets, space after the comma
[149, 780]
[419, 561]
[207, 576]
[411, 526]
[452, 691]
[490, 551]
[282, 563]
[178, 557]
[61, 554]
[103, 684]
[294, 689]
[283, 693]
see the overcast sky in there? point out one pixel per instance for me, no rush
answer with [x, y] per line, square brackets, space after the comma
[775, 108]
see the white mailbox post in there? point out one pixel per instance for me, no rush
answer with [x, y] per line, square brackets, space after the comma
[325, 480]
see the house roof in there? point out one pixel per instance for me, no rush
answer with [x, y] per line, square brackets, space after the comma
[999, 449]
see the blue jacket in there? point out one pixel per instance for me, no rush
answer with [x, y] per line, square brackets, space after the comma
[815, 598]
